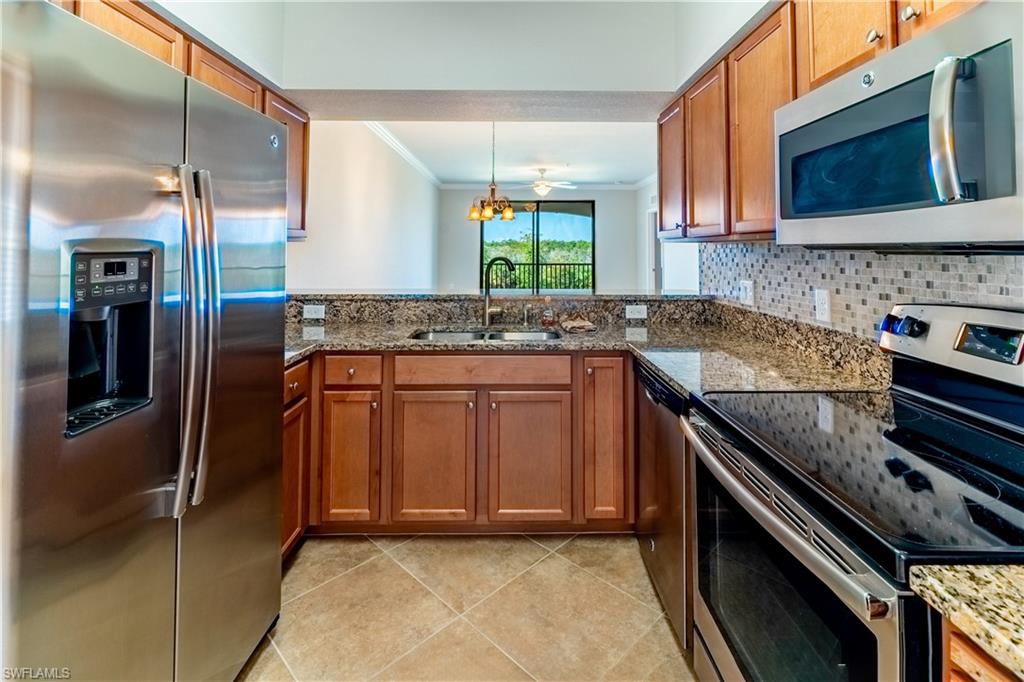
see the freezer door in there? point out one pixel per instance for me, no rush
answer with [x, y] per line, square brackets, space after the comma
[92, 131]
[229, 553]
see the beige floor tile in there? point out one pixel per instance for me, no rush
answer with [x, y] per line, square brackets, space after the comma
[464, 570]
[551, 540]
[265, 665]
[458, 652]
[388, 542]
[561, 623]
[655, 658]
[351, 627]
[615, 558]
[320, 559]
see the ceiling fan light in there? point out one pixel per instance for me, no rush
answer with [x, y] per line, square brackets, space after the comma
[474, 212]
[541, 188]
[487, 213]
[508, 214]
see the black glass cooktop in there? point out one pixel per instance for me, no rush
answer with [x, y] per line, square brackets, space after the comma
[929, 485]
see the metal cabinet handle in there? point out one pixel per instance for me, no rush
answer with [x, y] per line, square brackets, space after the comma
[494, 406]
[470, 404]
[373, 405]
[351, 371]
[590, 371]
[941, 145]
[873, 36]
[294, 386]
[909, 13]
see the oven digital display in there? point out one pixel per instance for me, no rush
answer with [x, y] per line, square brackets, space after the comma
[991, 343]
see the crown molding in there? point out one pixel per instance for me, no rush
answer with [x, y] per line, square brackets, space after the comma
[381, 131]
[504, 188]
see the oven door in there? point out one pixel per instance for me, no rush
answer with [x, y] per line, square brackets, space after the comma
[770, 605]
[920, 146]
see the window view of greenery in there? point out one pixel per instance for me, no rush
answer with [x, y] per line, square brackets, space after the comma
[551, 244]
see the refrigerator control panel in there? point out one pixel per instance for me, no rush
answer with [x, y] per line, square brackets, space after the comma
[103, 279]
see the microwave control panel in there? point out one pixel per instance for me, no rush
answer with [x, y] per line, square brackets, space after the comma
[103, 279]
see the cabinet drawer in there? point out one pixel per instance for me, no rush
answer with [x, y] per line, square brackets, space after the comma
[296, 382]
[353, 370]
[411, 370]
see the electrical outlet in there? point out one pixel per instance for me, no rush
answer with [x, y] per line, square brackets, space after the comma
[313, 333]
[826, 418]
[746, 292]
[636, 334]
[636, 312]
[823, 305]
[313, 312]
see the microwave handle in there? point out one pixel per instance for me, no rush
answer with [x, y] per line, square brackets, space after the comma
[941, 146]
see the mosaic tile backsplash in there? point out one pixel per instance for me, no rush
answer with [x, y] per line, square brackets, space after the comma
[864, 285]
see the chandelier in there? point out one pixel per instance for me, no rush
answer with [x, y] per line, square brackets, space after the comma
[485, 207]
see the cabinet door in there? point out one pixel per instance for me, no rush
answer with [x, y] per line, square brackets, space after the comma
[529, 455]
[707, 155]
[834, 36]
[434, 461]
[604, 447]
[295, 454]
[917, 17]
[670, 171]
[208, 68]
[761, 79]
[351, 456]
[297, 122]
[134, 25]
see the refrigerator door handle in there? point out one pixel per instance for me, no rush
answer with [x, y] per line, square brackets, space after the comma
[212, 345]
[192, 360]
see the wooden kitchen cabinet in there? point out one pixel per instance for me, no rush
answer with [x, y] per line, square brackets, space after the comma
[762, 77]
[297, 122]
[604, 446]
[706, 141]
[350, 481]
[206, 67]
[529, 455]
[295, 456]
[834, 36]
[966, 661]
[434, 459]
[917, 17]
[670, 172]
[133, 24]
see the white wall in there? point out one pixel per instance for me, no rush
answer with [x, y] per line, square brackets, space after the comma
[615, 238]
[703, 26]
[646, 202]
[371, 217]
[623, 46]
[253, 32]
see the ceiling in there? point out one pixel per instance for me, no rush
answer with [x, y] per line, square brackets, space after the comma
[459, 152]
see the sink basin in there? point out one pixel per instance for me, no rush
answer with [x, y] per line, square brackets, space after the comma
[449, 337]
[523, 336]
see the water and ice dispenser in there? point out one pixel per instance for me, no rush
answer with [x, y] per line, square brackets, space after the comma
[110, 337]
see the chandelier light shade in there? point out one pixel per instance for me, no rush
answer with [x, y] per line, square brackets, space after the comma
[485, 207]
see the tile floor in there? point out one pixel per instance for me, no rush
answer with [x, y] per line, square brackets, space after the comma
[434, 607]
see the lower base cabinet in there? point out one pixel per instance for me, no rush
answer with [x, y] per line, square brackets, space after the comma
[350, 488]
[295, 454]
[529, 448]
[434, 456]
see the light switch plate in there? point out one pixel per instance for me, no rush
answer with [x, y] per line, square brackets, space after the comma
[823, 305]
[747, 292]
[825, 415]
[636, 312]
[636, 333]
[313, 312]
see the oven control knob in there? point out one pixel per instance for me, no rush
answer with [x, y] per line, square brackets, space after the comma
[910, 326]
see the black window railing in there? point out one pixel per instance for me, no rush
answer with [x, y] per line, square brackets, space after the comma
[544, 276]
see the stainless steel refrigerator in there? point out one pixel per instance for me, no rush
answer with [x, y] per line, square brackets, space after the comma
[142, 313]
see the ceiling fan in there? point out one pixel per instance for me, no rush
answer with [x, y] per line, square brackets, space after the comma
[542, 186]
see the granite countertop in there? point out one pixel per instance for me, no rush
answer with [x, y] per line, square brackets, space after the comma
[985, 602]
[691, 359]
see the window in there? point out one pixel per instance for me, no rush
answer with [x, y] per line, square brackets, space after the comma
[551, 243]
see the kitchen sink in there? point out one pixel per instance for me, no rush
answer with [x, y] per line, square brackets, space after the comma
[523, 336]
[450, 337]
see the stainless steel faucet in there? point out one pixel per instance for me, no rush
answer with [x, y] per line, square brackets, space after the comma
[488, 310]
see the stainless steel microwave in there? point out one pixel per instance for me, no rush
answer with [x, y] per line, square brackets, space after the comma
[919, 149]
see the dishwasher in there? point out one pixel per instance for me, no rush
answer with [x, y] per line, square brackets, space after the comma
[663, 524]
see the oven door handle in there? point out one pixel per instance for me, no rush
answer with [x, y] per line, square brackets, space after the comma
[857, 598]
[941, 147]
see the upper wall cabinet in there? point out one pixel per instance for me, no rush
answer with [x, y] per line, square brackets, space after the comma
[670, 171]
[834, 37]
[136, 26]
[917, 17]
[297, 122]
[206, 67]
[706, 120]
[761, 79]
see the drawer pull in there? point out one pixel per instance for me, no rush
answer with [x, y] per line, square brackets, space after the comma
[590, 371]
[494, 406]
[470, 404]
[873, 36]
[351, 371]
[373, 405]
[294, 386]
[909, 13]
